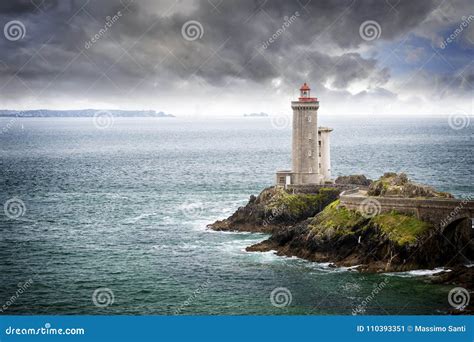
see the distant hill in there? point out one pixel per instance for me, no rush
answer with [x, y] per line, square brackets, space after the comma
[255, 115]
[37, 113]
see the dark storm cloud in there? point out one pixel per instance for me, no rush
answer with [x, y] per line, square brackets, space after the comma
[16, 7]
[145, 45]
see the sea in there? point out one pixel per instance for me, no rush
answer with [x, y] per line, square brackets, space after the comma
[111, 219]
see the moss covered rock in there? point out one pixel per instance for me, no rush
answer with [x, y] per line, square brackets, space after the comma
[398, 185]
[386, 242]
[336, 221]
[275, 207]
[361, 180]
[400, 228]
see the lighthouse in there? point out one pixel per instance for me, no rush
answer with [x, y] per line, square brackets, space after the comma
[310, 149]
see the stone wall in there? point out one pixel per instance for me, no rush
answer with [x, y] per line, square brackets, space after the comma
[314, 188]
[437, 211]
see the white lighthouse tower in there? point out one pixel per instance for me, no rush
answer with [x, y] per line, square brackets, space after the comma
[310, 153]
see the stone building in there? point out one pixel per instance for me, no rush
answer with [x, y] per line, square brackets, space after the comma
[310, 153]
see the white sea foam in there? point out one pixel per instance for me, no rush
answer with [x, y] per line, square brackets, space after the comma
[138, 218]
[327, 268]
[418, 273]
[236, 233]
[350, 268]
[266, 257]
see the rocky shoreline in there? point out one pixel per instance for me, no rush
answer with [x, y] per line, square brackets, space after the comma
[308, 222]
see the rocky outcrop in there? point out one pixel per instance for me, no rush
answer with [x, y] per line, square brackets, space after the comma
[353, 180]
[398, 185]
[460, 276]
[309, 222]
[276, 207]
[384, 243]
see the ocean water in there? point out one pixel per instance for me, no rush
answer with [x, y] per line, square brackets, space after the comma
[113, 220]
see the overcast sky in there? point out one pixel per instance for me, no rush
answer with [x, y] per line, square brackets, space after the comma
[218, 57]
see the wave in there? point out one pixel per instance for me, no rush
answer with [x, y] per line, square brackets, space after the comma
[418, 273]
[138, 218]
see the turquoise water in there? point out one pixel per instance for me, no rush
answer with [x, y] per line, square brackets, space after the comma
[125, 209]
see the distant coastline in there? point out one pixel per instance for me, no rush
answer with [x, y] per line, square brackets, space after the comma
[256, 115]
[40, 113]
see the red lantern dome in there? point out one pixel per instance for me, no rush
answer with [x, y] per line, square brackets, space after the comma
[305, 94]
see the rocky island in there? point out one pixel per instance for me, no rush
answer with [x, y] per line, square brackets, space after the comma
[391, 224]
[256, 115]
[320, 223]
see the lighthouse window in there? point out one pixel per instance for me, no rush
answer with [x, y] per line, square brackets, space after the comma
[309, 153]
[309, 118]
